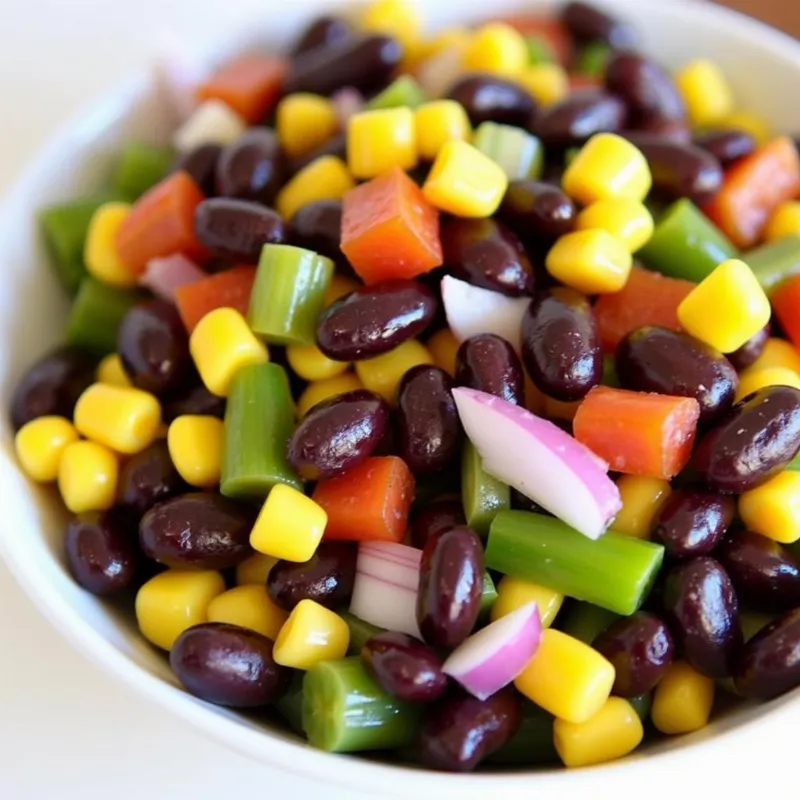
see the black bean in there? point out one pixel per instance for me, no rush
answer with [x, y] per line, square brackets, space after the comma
[201, 164]
[335, 146]
[727, 145]
[436, 518]
[322, 32]
[488, 363]
[252, 167]
[318, 227]
[487, 98]
[578, 117]
[193, 399]
[536, 211]
[147, 478]
[751, 349]
[587, 23]
[237, 229]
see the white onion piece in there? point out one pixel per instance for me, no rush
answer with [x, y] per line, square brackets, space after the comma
[347, 102]
[491, 658]
[212, 122]
[439, 72]
[540, 460]
[163, 276]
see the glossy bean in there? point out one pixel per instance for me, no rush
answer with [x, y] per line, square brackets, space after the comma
[201, 165]
[691, 522]
[750, 350]
[321, 32]
[450, 585]
[488, 363]
[52, 385]
[318, 227]
[641, 648]
[436, 518]
[486, 253]
[335, 146]
[676, 130]
[703, 613]
[652, 359]
[755, 441]
[193, 399]
[488, 98]
[337, 434]
[154, 347]
[147, 478]
[202, 530]
[576, 118]
[101, 551]
[459, 731]
[365, 63]
[228, 665]
[587, 23]
[237, 229]
[727, 145]
[537, 212]
[561, 346]
[405, 667]
[375, 319]
[252, 167]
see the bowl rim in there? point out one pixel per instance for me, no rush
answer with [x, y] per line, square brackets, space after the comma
[297, 757]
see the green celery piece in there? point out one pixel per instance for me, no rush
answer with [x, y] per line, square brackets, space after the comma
[488, 595]
[592, 59]
[540, 51]
[288, 294]
[751, 622]
[520, 154]
[614, 572]
[345, 711]
[610, 377]
[774, 262]
[482, 495]
[570, 154]
[96, 314]
[360, 632]
[290, 706]
[794, 464]
[642, 703]
[259, 420]
[404, 91]
[686, 244]
[586, 622]
[140, 167]
[532, 744]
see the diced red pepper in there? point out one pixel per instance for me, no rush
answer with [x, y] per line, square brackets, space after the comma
[229, 289]
[786, 306]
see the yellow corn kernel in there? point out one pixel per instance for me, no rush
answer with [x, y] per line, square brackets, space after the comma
[465, 182]
[642, 498]
[125, 419]
[195, 447]
[613, 732]
[498, 48]
[626, 220]
[607, 166]
[289, 525]
[785, 221]
[513, 593]
[254, 570]
[381, 139]
[339, 286]
[312, 633]
[567, 677]
[682, 700]
[304, 121]
[325, 178]
[593, 261]
[221, 344]
[753, 380]
[318, 391]
[726, 308]
[437, 123]
[87, 476]
[399, 19]
[383, 373]
[756, 126]
[773, 509]
[248, 606]
[443, 347]
[311, 364]
[39, 445]
[705, 92]
[174, 601]
[100, 250]
[776, 353]
[444, 40]
[111, 371]
[545, 83]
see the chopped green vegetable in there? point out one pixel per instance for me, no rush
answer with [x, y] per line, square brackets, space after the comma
[360, 632]
[752, 622]
[532, 744]
[290, 706]
[488, 594]
[140, 167]
[540, 50]
[519, 153]
[610, 377]
[774, 262]
[586, 622]
[482, 495]
[405, 91]
[592, 59]
[641, 704]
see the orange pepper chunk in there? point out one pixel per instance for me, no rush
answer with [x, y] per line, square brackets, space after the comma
[786, 307]
[228, 289]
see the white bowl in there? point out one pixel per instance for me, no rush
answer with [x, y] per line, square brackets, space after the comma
[761, 64]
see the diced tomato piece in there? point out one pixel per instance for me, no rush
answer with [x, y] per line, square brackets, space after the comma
[229, 289]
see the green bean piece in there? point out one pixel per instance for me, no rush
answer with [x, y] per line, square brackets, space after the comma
[404, 91]
[610, 377]
[290, 706]
[774, 262]
[642, 704]
[593, 59]
[360, 632]
[259, 420]
[140, 167]
[532, 744]
[540, 51]
[488, 596]
[586, 622]
[520, 154]
[482, 495]
[288, 294]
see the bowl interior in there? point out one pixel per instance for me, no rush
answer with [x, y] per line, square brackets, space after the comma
[33, 309]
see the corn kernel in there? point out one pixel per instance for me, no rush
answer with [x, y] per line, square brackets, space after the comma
[606, 167]
[682, 700]
[311, 364]
[443, 347]
[465, 182]
[254, 569]
[752, 380]
[318, 391]
[304, 121]
[312, 634]
[567, 677]
[221, 344]
[726, 308]
[613, 732]
[545, 83]
[339, 286]
[379, 140]
[756, 126]
[250, 607]
[642, 498]
[592, 261]
[785, 221]
[776, 353]
[100, 250]
[325, 178]
[628, 221]
[513, 593]
[39, 445]
[773, 508]
[399, 19]
[289, 526]
[195, 447]
[125, 419]
[87, 477]
[498, 48]
[705, 92]
[383, 373]
[111, 371]
[444, 40]
[437, 123]
[174, 601]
